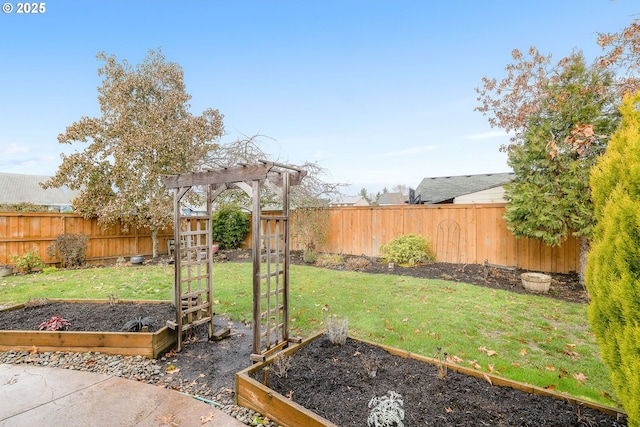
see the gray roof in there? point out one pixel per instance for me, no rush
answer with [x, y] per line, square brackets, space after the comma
[446, 188]
[19, 188]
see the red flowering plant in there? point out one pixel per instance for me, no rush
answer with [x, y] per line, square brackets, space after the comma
[56, 323]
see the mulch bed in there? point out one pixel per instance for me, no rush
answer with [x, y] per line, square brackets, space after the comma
[331, 380]
[334, 381]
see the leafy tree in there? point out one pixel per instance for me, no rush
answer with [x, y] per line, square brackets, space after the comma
[145, 131]
[613, 270]
[622, 52]
[561, 117]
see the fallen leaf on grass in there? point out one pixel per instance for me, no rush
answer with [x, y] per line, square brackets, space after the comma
[551, 387]
[523, 352]
[475, 364]
[454, 359]
[491, 370]
[580, 377]
[563, 373]
[484, 349]
[550, 368]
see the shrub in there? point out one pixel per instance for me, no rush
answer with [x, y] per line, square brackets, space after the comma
[310, 256]
[357, 263]
[70, 248]
[329, 260]
[230, 227]
[28, 261]
[612, 265]
[409, 249]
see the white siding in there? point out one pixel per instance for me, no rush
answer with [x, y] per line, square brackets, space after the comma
[492, 195]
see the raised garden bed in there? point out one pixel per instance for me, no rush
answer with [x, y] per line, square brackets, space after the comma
[323, 379]
[148, 344]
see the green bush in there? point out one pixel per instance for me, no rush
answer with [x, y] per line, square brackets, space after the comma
[614, 259]
[230, 227]
[70, 248]
[27, 262]
[329, 260]
[409, 249]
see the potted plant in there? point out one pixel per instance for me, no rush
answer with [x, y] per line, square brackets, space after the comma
[6, 270]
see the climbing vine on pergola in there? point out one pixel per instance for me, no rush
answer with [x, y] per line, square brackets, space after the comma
[193, 291]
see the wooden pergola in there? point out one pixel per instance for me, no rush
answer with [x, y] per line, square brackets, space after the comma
[193, 292]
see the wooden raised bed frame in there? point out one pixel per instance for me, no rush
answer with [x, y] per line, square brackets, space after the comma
[147, 344]
[254, 395]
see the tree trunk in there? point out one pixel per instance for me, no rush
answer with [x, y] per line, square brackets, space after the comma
[154, 240]
[584, 250]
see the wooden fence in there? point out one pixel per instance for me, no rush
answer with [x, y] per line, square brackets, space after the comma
[469, 233]
[459, 233]
[23, 232]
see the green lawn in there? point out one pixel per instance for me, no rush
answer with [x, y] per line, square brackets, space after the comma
[528, 338]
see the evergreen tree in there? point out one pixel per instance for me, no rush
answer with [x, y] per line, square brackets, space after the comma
[613, 269]
[560, 133]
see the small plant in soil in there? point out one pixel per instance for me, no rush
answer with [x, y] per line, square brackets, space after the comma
[281, 365]
[386, 411]
[337, 329]
[56, 323]
[138, 324]
[441, 357]
[371, 365]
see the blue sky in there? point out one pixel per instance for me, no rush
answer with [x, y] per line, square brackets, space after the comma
[377, 92]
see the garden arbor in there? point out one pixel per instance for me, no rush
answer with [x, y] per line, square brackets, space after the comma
[193, 291]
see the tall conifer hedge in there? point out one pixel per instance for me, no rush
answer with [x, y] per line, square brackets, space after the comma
[613, 266]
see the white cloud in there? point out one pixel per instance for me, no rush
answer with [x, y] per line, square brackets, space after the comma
[15, 149]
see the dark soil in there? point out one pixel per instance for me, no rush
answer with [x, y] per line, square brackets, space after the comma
[334, 381]
[331, 380]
